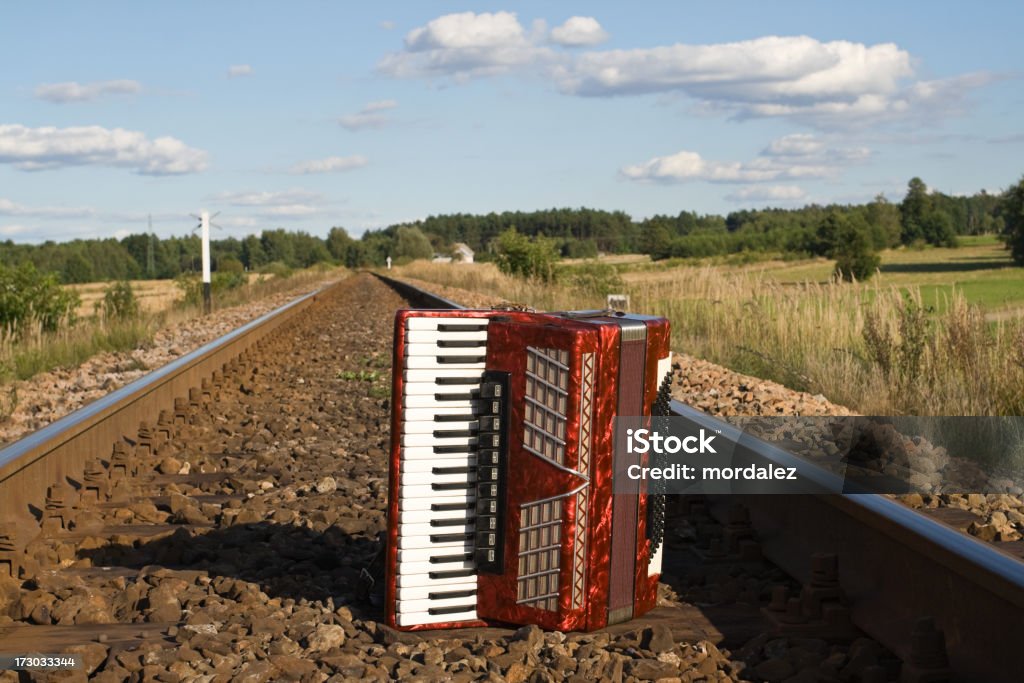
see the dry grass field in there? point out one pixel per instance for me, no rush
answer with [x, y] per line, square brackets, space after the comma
[937, 332]
[154, 296]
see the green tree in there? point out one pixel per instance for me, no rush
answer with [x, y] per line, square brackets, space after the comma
[521, 256]
[847, 239]
[884, 219]
[913, 210]
[411, 243]
[339, 244]
[1012, 213]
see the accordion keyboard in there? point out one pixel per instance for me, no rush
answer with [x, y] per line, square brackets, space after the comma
[441, 421]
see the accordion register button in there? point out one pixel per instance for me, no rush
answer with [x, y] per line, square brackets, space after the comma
[487, 523]
[487, 507]
[490, 423]
[486, 539]
[488, 457]
[485, 555]
[487, 491]
[487, 474]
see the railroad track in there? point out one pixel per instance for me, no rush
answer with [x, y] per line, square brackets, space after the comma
[220, 518]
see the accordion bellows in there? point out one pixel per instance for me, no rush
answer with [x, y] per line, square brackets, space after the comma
[500, 503]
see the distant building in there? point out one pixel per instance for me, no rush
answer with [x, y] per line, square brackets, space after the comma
[461, 253]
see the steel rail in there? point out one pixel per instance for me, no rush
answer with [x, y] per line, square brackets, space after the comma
[895, 565]
[57, 453]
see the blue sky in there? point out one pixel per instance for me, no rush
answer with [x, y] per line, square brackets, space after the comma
[308, 115]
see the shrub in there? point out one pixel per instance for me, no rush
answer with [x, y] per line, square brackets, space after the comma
[118, 302]
[277, 269]
[521, 256]
[28, 297]
[595, 278]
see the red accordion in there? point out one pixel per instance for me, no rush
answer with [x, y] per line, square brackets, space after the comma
[502, 458]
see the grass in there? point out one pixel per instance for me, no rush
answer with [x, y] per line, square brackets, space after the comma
[35, 351]
[914, 341]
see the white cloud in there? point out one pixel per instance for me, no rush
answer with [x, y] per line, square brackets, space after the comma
[579, 31]
[772, 193]
[370, 116]
[10, 208]
[71, 91]
[239, 70]
[387, 24]
[329, 165]
[465, 45]
[799, 156]
[380, 105]
[292, 203]
[48, 147]
[13, 229]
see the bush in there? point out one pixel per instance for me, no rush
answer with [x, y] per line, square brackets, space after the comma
[119, 302]
[29, 297]
[521, 256]
[277, 269]
[595, 278]
[191, 286]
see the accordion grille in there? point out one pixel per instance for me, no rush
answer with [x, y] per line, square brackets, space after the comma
[540, 536]
[547, 396]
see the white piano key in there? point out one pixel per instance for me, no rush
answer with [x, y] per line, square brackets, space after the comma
[417, 390]
[439, 461]
[410, 593]
[433, 336]
[406, 606]
[427, 530]
[411, 557]
[426, 478]
[428, 516]
[425, 491]
[419, 401]
[432, 363]
[415, 376]
[412, 350]
[413, 440]
[431, 427]
[418, 573]
[431, 323]
[423, 580]
[406, 504]
[425, 542]
[429, 414]
[417, 618]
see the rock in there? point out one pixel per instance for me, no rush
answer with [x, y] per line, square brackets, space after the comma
[657, 638]
[774, 669]
[292, 668]
[326, 637]
[532, 635]
[169, 465]
[93, 654]
[650, 669]
[326, 485]
[985, 532]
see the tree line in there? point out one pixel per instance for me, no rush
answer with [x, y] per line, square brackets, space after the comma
[922, 217]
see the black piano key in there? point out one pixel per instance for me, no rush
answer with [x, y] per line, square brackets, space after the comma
[452, 486]
[487, 491]
[488, 457]
[450, 610]
[454, 418]
[451, 470]
[486, 539]
[487, 506]
[441, 595]
[454, 397]
[454, 433]
[491, 390]
[487, 474]
[446, 507]
[457, 380]
[447, 538]
[462, 448]
[485, 556]
[444, 559]
[490, 423]
[452, 574]
[461, 343]
[458, 521]
[459, 360]
[461, 327]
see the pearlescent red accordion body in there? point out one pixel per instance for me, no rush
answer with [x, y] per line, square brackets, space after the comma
[500, 503]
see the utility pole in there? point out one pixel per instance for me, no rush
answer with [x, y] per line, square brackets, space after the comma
[204, 224]
[150, 249]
